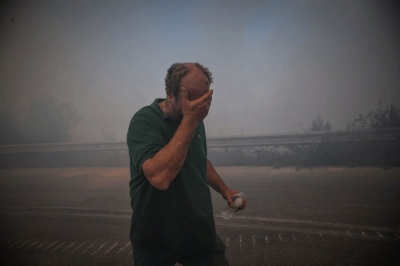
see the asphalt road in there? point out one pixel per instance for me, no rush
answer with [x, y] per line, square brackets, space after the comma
[322, 216]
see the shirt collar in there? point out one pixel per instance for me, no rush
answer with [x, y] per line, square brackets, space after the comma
[156, 107]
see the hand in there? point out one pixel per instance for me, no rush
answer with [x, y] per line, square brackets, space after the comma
[195, 110]
[229, 193]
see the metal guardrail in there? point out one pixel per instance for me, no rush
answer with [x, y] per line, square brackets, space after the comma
[219, 142]
[303, 138]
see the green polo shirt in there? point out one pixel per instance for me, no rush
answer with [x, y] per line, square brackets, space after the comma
[180, 217]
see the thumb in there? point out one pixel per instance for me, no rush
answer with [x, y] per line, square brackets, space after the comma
[230, 201]
[185, 94]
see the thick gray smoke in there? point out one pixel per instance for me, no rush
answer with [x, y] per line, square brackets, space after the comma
[277, 64]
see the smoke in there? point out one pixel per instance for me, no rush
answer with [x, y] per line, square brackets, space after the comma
[276, 64]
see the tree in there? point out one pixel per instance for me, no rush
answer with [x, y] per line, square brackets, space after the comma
[385, 118]
[379, 118]
[319, 125]
[108, 134]
[47, 120]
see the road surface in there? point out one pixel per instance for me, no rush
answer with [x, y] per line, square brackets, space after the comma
[321, 216]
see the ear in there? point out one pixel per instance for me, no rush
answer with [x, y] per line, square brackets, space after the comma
[169, 93]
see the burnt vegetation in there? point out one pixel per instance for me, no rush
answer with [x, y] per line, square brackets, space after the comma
[383, 153]
[46, 120]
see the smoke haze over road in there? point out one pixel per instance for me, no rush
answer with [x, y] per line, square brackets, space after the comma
[276, 64]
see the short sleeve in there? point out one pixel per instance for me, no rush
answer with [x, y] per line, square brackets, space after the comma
[144, 139]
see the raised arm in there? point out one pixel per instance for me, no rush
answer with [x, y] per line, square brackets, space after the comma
[162, 169]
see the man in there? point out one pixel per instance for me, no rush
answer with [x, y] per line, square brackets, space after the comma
[172, 219]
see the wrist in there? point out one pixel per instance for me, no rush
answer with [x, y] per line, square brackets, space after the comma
[187, 121]
[225, 193]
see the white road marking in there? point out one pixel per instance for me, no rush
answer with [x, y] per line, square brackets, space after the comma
[68, 247]
[20, 246]
[127, 213]
[294, 237]
[397, 236]
[111, 248]
[14, 244]
[5, 244]
[297, 230]
[240, 241]
[78, 247]
[308, 238]
[41, 245]
[266, 239]
[322, 236]
[31, 244]
[123, 248]
[349, 234]
[99, 248]
[88, 248]
[363, 233]
[290, 221]
[59, 246]
[280, 238]
[335, 234]
[227, 241]
[50, 245]
[380, 235]
[254, 242]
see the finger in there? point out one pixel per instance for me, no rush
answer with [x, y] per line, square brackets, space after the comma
[207, 97]
[244, 204]
[185, 94]
[230, 202]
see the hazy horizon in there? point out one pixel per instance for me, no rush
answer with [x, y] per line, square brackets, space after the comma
[276, 64]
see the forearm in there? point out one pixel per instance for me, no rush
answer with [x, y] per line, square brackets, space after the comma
[214, 180]
[162, 169]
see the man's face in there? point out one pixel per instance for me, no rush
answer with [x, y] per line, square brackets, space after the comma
[197, 85]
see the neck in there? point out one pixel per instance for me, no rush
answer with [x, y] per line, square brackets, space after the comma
[165, 108]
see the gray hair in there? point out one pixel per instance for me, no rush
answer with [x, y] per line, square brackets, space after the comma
[177, 71]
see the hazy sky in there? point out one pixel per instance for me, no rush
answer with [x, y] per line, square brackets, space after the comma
[276, 64]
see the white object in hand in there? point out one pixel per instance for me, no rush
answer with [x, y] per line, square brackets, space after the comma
[237, 202]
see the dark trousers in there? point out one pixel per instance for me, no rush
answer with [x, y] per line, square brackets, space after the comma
[211, 255]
